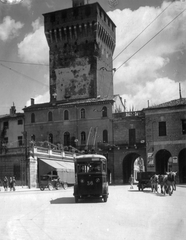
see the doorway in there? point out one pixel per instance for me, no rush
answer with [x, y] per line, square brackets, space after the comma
[162, 158]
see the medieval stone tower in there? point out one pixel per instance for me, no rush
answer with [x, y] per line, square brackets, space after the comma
[81, 41]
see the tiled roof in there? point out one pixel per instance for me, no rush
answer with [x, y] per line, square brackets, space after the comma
[173, 103]
[68, 103]
[12, 116]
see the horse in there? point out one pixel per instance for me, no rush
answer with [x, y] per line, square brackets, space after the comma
[165, 184]
[171, 180]
[168, 182]
[154, 183]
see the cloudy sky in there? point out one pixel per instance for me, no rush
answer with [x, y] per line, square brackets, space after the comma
[150, 61]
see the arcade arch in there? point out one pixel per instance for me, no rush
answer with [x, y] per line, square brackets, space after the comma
[182, 166]
[162, 160]
[132, 163]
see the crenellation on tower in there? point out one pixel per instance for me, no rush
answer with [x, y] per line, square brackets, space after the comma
[81, 41]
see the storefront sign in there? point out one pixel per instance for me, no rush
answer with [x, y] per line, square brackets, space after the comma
[150, 158]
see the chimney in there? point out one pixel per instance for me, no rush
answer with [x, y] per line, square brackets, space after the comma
[12, 110]
[32, 101]
[77, 3]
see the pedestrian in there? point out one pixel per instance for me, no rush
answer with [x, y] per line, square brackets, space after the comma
[131, 181]
[13, 181]
[11, 184]
[5, 183]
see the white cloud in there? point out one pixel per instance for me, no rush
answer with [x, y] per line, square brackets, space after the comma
[11, 1]
[40, 99]
[34, 46]
[157, 92]
[142, 77]
[9, 29]
[27, 3]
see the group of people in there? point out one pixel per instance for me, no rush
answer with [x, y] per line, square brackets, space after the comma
[9, 183]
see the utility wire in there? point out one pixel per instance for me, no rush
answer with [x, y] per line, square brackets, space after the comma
[26, 63]
[151, 39]
[143, 30]
[42, 64]
[23, 75]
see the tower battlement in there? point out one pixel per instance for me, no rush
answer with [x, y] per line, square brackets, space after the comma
[81, 41]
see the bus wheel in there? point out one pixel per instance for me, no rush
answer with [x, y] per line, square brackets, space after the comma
[76, 199]
[42, 188]
[105, 198]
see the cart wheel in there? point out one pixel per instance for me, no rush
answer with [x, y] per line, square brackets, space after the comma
[138, 188]
[50, 187]
[105, 198]
[76, 199]
[57, 186]
[65, 186]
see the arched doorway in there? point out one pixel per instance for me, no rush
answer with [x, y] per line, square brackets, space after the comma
[182, 166]
[162, 158]
[129, 166]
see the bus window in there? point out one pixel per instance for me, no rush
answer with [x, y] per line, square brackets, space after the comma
[104, 167]
[81, 168]
[95, 167]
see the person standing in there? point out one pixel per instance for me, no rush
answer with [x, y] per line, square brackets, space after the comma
[11, 184]
[13, 181]
[5, 183]
[131, 181]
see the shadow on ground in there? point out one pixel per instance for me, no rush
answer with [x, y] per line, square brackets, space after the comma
[71, 200]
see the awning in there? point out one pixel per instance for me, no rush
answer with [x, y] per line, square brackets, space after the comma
[59, 165]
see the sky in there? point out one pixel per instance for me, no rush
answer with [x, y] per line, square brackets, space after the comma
[150, 53]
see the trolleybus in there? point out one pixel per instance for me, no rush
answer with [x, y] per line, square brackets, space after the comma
[91, 177]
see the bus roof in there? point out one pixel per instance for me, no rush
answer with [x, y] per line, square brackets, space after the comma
[91, 157]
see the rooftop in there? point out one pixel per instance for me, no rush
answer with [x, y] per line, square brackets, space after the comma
[172, 103]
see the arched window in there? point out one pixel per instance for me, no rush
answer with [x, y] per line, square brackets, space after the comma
[33, 118]
[104, 112]
[50, 116]
[82, 113]
[105, 136]
[50, 138]
[66, 139]
[66, 115]
[83, 137]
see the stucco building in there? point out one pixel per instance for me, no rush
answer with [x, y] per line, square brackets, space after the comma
[12, 146]
[165, 128]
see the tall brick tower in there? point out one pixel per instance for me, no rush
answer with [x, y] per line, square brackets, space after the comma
[81, 41]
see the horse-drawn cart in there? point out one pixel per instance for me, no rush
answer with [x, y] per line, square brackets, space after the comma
[144, 180]
[51, 182]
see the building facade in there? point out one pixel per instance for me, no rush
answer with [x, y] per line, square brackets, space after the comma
[13, 149]
[129, 141]
[165, 128]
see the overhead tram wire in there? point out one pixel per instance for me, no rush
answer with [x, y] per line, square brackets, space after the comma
[141, 33]
[41, 64]
[144, 30]
[25, 63]
[19, 73]
[150, 39]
